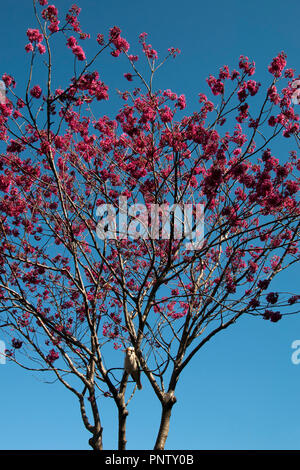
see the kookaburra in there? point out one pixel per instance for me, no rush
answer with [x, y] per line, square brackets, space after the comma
[131, 366]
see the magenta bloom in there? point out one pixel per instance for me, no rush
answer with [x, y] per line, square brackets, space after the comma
[36, 91]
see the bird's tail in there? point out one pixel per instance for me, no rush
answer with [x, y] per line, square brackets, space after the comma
[139, 385]
[137, 378]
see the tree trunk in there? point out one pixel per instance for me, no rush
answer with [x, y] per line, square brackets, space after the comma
[164, 426]
[123, 413]
[96, 441]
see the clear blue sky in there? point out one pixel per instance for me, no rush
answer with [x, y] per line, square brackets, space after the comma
[242, 391]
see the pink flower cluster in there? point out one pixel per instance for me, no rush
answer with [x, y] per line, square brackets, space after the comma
[128, 76]
[4, 183]
[148, 50]
[247, 66]
[16, 343]
[72, 19]
[273, 316]
[166, 114]
[180, 100]
[174, 51]
[90, 82]
[216, 85]
[50, 14]
[36, 91]
[121, 45]
[272, 297]
[76, 49]
[277, 65]
[100, 39]
[35, 36]
[9, 80]
[52, 356]
[273, 95]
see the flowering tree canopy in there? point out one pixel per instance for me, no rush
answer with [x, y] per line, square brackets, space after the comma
[77, 286]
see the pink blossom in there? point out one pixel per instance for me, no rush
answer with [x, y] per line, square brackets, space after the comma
[116, 53]
[128, 76]
[289, 73]
[29, 47]
[52, 356]
[263, 284]
[272, 297]
[100, 39]
[149, 51]
[273, 95]
[71, 42]
[4, 183]
[234, 74]
[54, 26]
[120, 43]
[224, 73]
[34, 35]
[8, 80]
[293, 299]
[50, 13]
[181, 103]
[275, 317]
[16, 343]
[20, 103]
[242, 92]
[36, 91]
[133, 58]
[252, 87]
[79, 52]
[216, 85]
[142, 37]
[272, 121]
[172, 96]
[41, 48]
[173, 51]
[247, 66]
[278, 64]
[114, 32]
[166, 114]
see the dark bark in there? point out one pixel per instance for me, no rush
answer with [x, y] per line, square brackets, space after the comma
[96, 441]
[123, 413]
[164, 427]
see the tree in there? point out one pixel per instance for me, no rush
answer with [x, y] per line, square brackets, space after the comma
[102, 219]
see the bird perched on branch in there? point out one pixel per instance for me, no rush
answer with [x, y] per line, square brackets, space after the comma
[131, 366]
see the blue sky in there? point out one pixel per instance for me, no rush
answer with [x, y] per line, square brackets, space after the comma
[242, 391]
